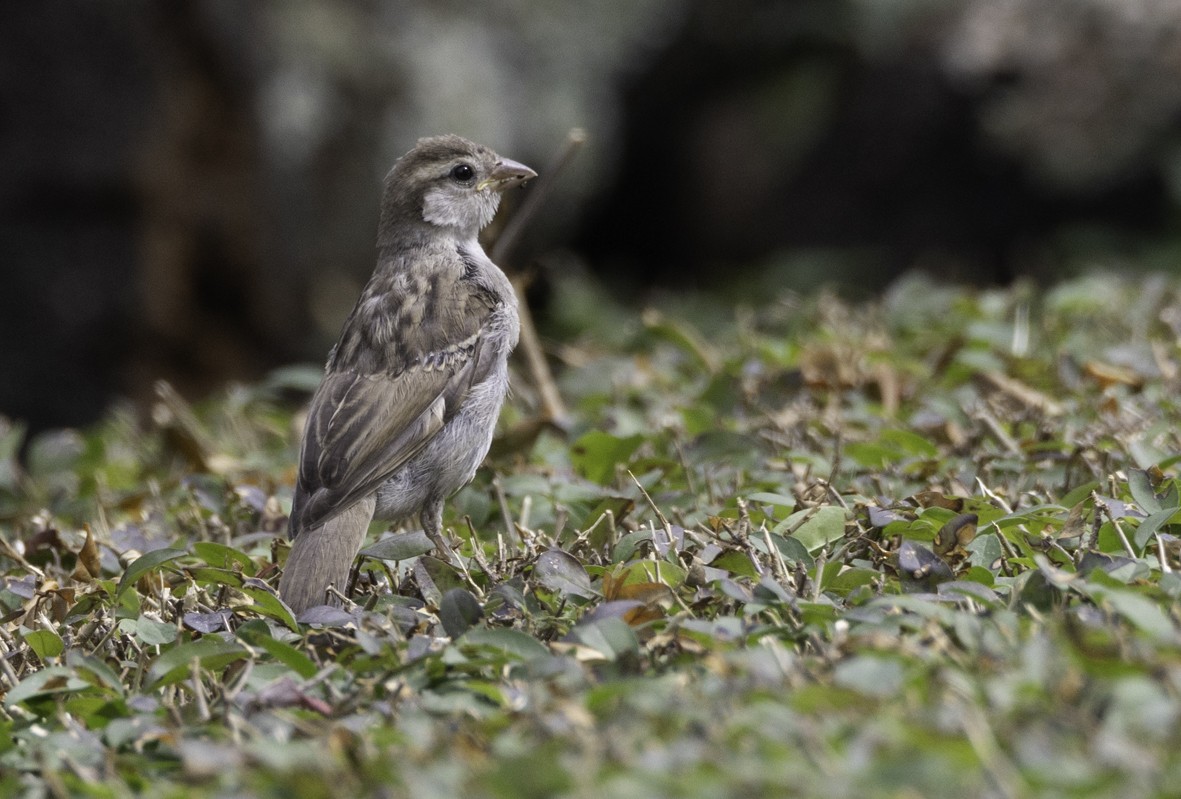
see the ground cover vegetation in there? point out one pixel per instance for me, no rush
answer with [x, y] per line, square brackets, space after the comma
[926, 545]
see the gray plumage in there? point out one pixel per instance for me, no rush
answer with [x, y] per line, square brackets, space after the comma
[412, 390]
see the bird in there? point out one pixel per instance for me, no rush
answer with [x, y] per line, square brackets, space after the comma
[412, 390]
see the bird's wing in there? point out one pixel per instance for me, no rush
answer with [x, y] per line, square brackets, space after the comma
[363, 425]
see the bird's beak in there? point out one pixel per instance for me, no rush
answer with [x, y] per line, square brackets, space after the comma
[505, 175]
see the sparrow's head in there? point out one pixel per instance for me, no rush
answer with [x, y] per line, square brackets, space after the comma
[449, 182]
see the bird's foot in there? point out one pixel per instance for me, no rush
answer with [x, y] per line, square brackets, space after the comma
[444, 549]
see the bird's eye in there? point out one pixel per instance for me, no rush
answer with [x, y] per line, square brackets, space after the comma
[462, 173]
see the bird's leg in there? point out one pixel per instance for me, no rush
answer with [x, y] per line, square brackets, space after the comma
[432, 524]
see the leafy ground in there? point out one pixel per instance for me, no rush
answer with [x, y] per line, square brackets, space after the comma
[920, 547]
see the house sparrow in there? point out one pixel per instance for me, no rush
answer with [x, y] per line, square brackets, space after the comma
[414, 385]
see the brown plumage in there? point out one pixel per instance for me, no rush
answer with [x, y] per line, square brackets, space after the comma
[413, 387]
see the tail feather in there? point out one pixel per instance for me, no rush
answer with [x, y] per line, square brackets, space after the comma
[323, 556]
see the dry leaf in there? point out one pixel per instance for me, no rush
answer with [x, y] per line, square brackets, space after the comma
[937, 499]
[652, 596]
[956, 534]
[89, 566]
[1011, 391]
[831, 365]
[1108, 375]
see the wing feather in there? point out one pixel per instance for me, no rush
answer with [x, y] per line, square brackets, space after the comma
[362, 429]
[407, 356]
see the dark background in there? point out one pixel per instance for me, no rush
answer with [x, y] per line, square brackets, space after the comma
[189, 190]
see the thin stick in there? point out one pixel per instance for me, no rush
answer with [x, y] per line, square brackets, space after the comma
[551, 401]
[656, 510]
[507, 517]
[503, 246]
[778, 567]
[1160, 549]
[552, 407]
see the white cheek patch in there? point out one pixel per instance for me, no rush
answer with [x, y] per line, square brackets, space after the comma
[463, 210]
[441, 208]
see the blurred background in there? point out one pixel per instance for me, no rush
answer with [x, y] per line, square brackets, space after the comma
[189, 191]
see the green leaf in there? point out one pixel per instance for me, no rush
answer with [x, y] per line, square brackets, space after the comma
[824, 526]
[979, 574]
[50, 680]
[792, 550]
[268, 604]
[525, 484]
[909, 442]
[560, 571]
[1150, 525]
[596, 454]
[1140, 486]
[1170, 496]
[145, 564]
[737, 563]
[205, 575]
[459, 611]
[780, 500]
[435, 578]
[984, 551]
[1142, 613]
[871, 454]
[871, 675]
[892, 446]
[657, 571]
[513, 643]
[611, 637]
[849, 578]
[221, 556]
[154, 633]
[720, 628]
[94, 670]
[1079, 493]
[682, 334]
[45, 643]
[971, 590]
[917, 605]
[627, 545]
[281, 651]
[211, 653]
[400, 546]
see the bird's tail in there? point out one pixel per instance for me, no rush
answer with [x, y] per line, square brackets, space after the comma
[322, 556]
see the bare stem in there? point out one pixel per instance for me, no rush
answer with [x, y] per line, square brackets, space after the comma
[551, 401]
